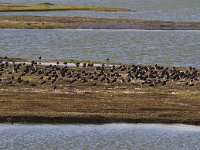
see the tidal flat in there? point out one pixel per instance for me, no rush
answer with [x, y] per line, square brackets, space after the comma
[36, 93]
[8, 7]
[52, 22]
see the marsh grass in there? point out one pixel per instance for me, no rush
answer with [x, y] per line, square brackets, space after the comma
[49, 22]
[31, 25]
[54, 7]
[82, 103]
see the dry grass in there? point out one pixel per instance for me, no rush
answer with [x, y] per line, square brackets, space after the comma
[31, 25]
[83, 103]
[54, 7]
[116, 105]
[47, 22]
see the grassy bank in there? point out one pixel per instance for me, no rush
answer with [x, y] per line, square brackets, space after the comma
[83, 102]
[107, 105]
[7, 7]
[47, 22]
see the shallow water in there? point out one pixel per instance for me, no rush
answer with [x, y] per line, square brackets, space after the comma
[109, 136]
[143, 9]
[173, 48]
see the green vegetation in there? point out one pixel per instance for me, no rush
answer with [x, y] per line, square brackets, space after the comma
[53, 7]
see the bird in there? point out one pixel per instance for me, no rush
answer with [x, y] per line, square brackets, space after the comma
[54, 87]
[94, 84]
[114, 80]
[72, 81]
[26, 82]
[164, 83]
[43, 82]
[33, 84]
[40, 59]
[107, 60]
[192, 84]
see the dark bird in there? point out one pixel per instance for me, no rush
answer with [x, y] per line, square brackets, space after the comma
[19, 80]
[72, 81]
[77, 64]
[54, 87]
[43, 82]
[10, 82]
[114, 80]
[192, 84]
[164, 83]
[84, 65]
[94, 84]
[33, 84]
[84, 80]
[53, 81]
[107, 59]
[26, 82]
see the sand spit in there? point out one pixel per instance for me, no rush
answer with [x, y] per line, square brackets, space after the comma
[49, 22]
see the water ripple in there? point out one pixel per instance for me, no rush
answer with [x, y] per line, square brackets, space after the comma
[174, 48]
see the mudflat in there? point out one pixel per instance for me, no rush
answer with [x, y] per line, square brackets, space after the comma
[50, 22]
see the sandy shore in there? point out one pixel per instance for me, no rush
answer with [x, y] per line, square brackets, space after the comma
[82, 102]
[49, 22]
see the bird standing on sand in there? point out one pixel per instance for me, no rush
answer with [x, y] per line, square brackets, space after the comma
[40, 59]
[107, 59]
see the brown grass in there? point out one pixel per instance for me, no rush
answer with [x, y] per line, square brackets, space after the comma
[7, 7]
[47, 22]
[82, 103]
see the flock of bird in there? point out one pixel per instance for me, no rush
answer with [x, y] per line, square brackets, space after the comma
[35, 74]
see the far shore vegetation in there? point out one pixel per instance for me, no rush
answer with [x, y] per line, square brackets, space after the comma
[5, 7]
[51, 22]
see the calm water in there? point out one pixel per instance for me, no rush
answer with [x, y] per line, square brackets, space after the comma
[145, 9]
[174, 48]
[107, 137]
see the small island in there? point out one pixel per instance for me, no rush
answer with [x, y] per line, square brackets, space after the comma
[9, 7]
[51, 22]
[89, 92]
[54, 22]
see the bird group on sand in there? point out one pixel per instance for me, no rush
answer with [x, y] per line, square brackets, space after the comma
[35, 74]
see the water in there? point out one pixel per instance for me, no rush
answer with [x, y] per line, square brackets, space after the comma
[173, 48]
[107, 137]
[143, 9]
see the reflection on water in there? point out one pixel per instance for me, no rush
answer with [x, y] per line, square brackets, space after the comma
[145, 9]
[90, 137]
[174, 48]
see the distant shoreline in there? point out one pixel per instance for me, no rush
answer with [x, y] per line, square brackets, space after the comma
[14, 7]
[51, 22]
